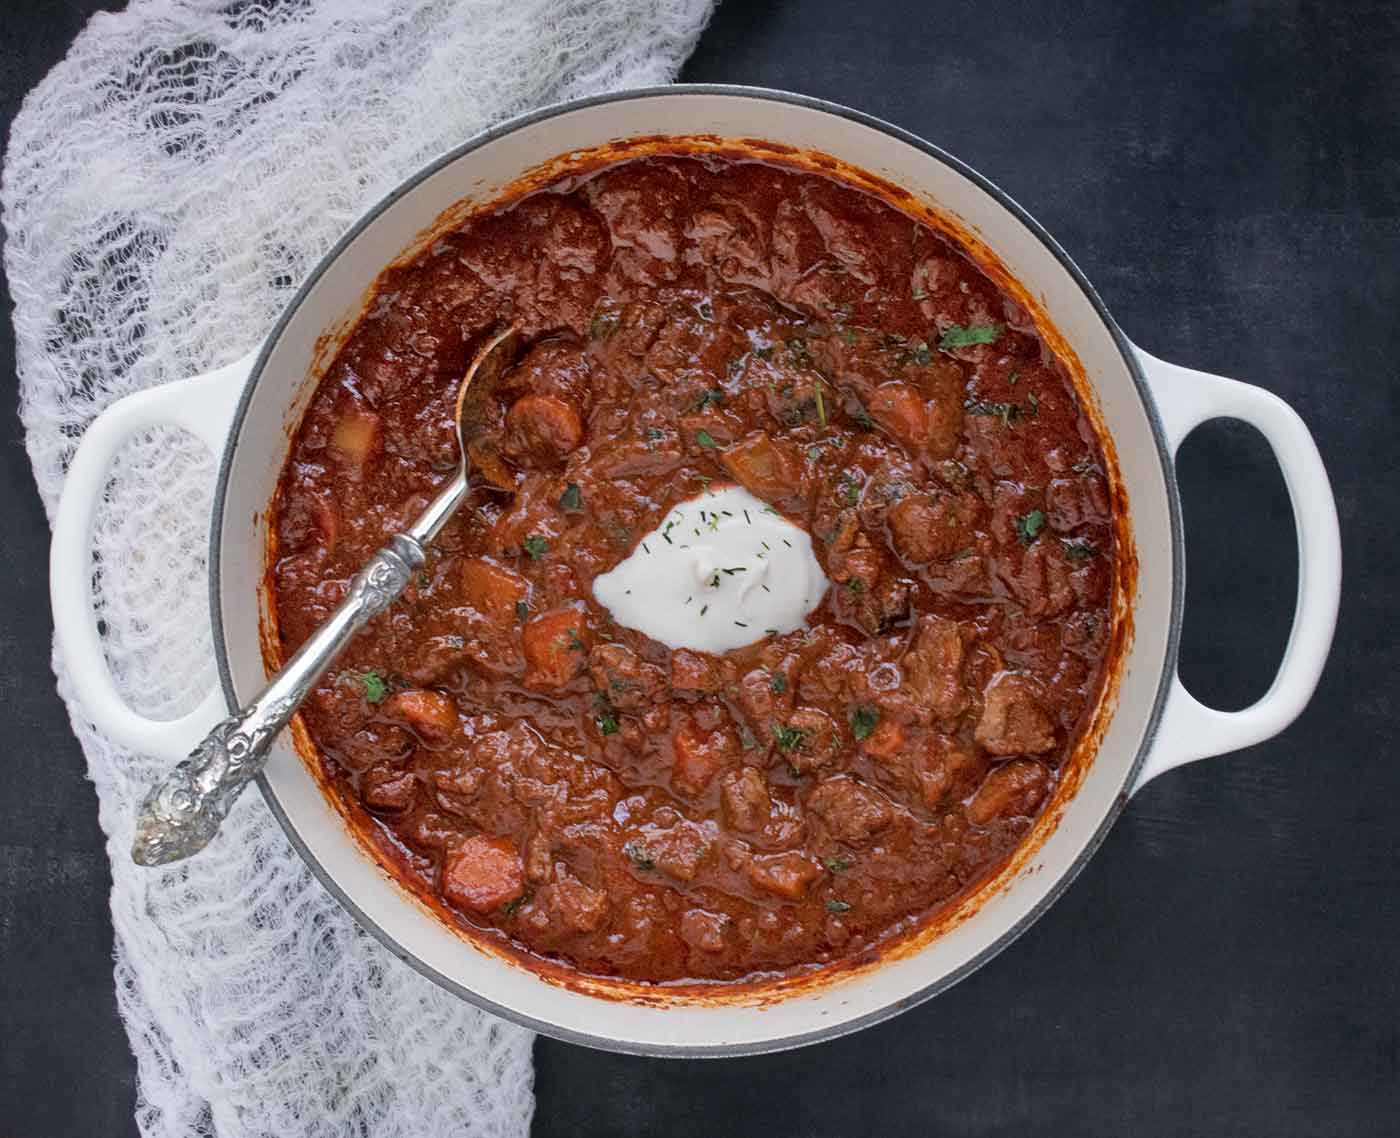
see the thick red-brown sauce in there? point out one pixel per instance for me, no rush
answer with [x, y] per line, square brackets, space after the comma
[654, 815]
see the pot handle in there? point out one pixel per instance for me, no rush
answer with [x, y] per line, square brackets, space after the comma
[203, 405]
[1188, 729]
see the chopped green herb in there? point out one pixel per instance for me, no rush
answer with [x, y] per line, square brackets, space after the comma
[777, 683]
[536, 546]
[838, 906]
[512, 906]
[765, 352]
[741, 624]
[607, 723]
[920, 352]
[375, 687]
[522, 610]
[1014, 378]
[1034, 400]
[1003, 411]
[837, 864]
[863, 722]
[958, 336]
[788, 738]
[574, 642]
[862, 418]
[850, 488]
[705, 439]
[639, 855]
[654, 433]
[714, 395]
[1028, 526]
[571, 498]
[1077, 549]
[704, 609]
[603, 325]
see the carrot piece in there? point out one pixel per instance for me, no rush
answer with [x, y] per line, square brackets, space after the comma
[556, 648]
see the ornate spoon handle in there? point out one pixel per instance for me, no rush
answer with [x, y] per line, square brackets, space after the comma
[183, 811]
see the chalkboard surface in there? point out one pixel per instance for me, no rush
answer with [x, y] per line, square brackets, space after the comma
[1228, 176]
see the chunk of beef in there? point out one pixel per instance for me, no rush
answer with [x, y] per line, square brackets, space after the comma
[786, 875]
[1043, 578]
[933, 668]
[1012, 790]
[625, 678]
[925, 529]
[745, 798]
[764, 696]
[388, 789]
[676, 851]
[1013, 720]
[695, 675]
[542, 429]
[579, 908]
[704, 930]
[852, 811]
[811, 740]
[944, 771]
[699, 754]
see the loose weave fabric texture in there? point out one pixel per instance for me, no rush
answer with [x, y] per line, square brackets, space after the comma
[165, 188]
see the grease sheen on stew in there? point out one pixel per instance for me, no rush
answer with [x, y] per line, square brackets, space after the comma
[577, 788]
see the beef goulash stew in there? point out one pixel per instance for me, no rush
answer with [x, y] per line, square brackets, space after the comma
[804, 717]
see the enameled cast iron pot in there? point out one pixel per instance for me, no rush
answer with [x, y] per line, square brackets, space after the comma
[245, 411]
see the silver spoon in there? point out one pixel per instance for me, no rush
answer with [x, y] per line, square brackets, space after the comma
[182, 813]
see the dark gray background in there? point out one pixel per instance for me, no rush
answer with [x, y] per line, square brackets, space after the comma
[1227, 175]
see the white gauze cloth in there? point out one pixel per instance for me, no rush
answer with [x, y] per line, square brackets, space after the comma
[164, 190]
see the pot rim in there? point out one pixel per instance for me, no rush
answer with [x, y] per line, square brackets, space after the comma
[1130, 360]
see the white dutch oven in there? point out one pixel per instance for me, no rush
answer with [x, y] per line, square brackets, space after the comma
[245, 410]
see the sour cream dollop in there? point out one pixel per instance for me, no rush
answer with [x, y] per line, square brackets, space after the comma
[722, 570]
